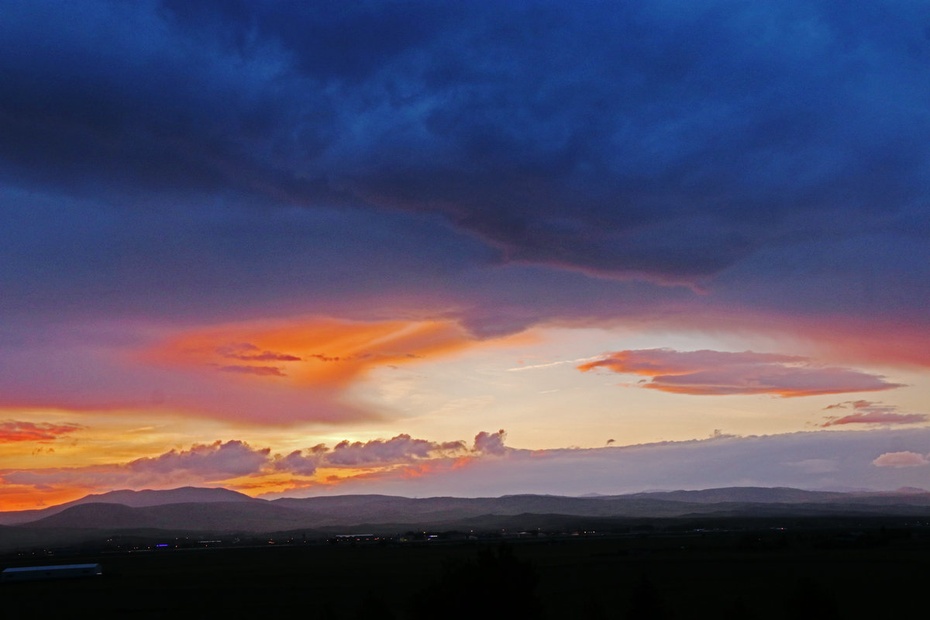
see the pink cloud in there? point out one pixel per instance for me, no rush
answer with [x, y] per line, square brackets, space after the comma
[901, 459]
[719, 373]
[12, 431]
[867, 412]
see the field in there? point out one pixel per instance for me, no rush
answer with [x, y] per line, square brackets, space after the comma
[760, 574]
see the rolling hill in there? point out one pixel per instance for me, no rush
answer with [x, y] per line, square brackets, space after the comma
[221, 512]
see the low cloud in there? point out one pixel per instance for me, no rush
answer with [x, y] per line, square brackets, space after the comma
[399, 449]
[708, 372]
[12, 431]
[229, 459]
[901, 459]
[867, 412]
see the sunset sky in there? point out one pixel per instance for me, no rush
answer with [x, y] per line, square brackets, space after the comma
[463, 248]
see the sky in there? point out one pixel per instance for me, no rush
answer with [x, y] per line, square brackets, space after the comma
[463, 248]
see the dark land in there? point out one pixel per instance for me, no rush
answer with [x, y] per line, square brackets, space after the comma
[794, 559]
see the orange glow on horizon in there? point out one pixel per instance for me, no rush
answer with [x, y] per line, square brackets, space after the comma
[26, 497]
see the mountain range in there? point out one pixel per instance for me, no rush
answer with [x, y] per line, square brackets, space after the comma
[220, 511]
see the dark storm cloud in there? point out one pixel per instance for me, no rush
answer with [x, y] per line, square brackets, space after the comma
[260, 151]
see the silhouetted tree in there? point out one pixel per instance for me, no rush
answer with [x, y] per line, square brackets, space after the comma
[497, 585]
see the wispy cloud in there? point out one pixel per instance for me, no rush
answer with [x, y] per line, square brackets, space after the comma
[707, 372]
[868, 412]
[553, 364]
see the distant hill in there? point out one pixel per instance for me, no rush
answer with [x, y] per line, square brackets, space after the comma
[762, 495]
[135, 499]
[221, 511]
[218, 517]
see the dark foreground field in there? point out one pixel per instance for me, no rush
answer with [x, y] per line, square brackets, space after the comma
[741, 574]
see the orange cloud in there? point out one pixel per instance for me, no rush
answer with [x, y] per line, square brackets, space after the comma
[14, 431]
[720, 373]
[267, 372]
[325, 353]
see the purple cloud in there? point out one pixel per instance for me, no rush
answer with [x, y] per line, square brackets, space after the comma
[222, 459]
